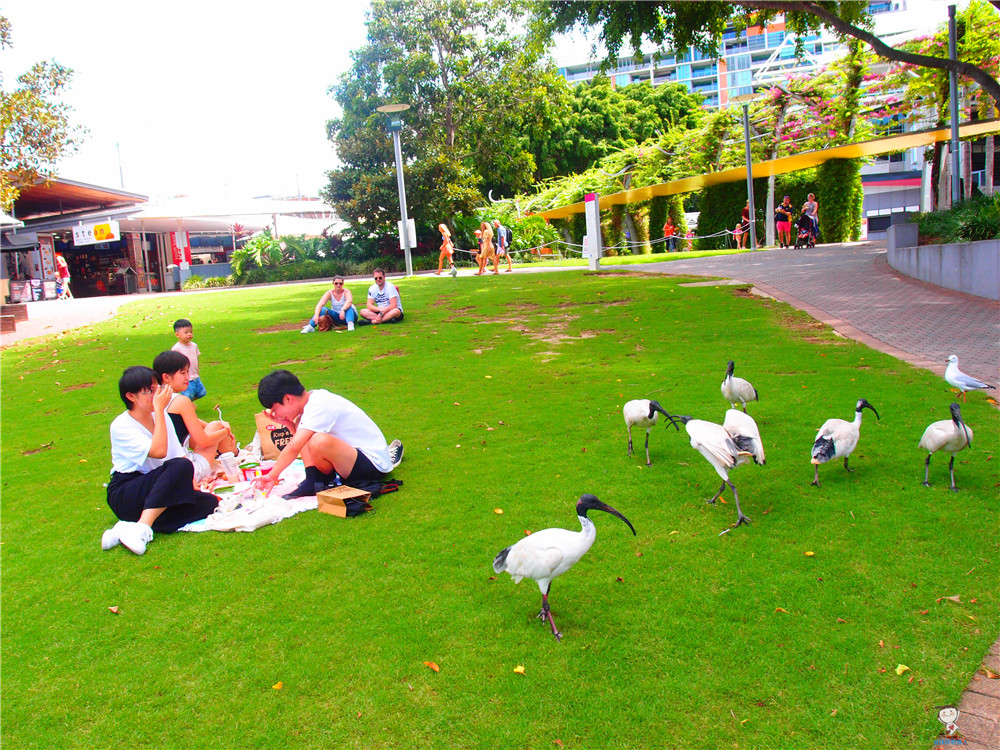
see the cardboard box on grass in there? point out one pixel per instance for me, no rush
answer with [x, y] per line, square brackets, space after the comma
[332, 500]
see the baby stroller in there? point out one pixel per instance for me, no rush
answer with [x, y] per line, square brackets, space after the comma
[805, 237]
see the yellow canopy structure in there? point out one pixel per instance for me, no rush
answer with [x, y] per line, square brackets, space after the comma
[783, 165]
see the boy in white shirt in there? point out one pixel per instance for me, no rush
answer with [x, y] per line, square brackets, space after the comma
[151, 483]
[184, 332]
[384, 303]
[333, 435]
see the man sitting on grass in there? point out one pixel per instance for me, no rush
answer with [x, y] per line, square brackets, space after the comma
[151, 485]
[384, 303]
[334, 437]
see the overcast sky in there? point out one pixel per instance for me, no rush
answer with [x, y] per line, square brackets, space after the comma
[202, 97]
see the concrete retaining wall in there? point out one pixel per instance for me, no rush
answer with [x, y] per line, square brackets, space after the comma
[970, 267]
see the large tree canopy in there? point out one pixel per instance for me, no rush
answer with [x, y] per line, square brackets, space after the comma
[473, 86]
[679, 24]
[35, 130]
[601, 119]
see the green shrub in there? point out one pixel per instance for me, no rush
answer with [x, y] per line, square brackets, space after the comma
[969, 221]
[840, 196]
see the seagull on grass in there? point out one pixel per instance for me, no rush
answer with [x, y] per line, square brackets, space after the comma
[961, 381]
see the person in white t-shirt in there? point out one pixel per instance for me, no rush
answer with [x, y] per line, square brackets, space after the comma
[152, 481]
[384, 303]
[333, 435]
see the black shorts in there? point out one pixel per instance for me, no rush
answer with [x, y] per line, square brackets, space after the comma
[364, 470]
[365, 322]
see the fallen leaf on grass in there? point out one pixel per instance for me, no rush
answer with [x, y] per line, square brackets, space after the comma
[900, 668]
[277, 686]
[41, 448]
[989, 673]
[809, 554]
[620, 579]
[432, 665]
[955, 599]
[881, 644]
[113, 610]
[780, 609]
[882, 670]
[672, 532]
[527, 533]
[833, 712]
[924, 611]
[519, 669]
[498, 511]
[457, 404]
[557, 743]
[841, 619]
[359, 714]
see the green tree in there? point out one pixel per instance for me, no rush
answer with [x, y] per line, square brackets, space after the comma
[676, 24]
[601, 119]
[35, 129]
[472, 85]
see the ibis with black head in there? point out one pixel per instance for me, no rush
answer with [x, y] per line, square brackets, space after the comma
[948, 435]
[546, 555]
[643, 413]
[737, 390]
[838, 438]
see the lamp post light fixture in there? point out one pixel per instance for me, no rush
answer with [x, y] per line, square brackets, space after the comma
[745, 100]
[393, 112]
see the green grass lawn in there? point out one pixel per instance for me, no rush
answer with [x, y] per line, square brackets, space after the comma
[507, 393]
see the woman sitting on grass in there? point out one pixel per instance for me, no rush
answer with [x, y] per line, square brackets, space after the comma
[152, 482]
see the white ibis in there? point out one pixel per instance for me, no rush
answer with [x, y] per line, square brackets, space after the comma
[737, 389]
[548, 554]
[643, 413]
[960, 380]
[726, 448]
[948, 435]
[838, 438]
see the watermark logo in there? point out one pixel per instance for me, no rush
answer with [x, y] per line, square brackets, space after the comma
[948, 715]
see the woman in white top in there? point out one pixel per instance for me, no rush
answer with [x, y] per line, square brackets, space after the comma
[341, 310]
[152, 482]
[811, 207]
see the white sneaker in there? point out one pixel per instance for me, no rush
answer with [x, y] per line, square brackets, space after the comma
[350, 325]
[109, 539]
[307, 329]
[135, 536]
[395, 453]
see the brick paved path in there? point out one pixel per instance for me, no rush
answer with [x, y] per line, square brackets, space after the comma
[852, 288]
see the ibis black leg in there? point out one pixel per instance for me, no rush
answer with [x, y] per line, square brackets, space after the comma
[815, 481]
[927, 470]
[951, 470]
[546, 614]
[630, 440]
[648, 462]
[740, 518]
[846, 466]
[711, 500]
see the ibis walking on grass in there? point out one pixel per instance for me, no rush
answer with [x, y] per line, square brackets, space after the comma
[643, 413]
[948, 435]
[548, 554]
[961, 381]
[726, 446]
[737, 390]
[838, 438]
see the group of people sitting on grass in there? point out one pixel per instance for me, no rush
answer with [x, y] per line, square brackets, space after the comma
[336, 308]
[163, 454]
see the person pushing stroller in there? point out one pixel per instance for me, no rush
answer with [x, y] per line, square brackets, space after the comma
[805, 236]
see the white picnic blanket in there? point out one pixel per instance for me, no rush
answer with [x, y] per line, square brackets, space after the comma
[247, 509]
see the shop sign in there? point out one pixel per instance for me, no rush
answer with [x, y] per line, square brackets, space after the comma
[90, 234]
[180, 249]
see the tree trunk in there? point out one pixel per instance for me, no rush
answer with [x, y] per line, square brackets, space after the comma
[633, 236]
[967, 170]
[944, 179]
[936, 174]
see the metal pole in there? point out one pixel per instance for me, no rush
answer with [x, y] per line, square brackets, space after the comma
[956, 147]
[746, 141]
[402, 201]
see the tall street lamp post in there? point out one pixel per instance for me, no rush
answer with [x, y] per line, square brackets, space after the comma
[745, 100]
[392, 111]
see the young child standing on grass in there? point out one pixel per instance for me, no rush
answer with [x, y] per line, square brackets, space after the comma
[152, 482]
[333, 435]
[202, 440]
[184, 332]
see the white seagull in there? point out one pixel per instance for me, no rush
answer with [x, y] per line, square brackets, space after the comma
[643, 413]
[549, 553]
[960, 380]
[726, 447]
[737, 389]
[838, 438]
[948, 435]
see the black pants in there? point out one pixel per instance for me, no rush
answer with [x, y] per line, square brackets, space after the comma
[167, 486]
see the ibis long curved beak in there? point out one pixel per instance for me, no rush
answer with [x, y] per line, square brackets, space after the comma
[869, 406]
[608, 509]
[956, 417]
[656, 407]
